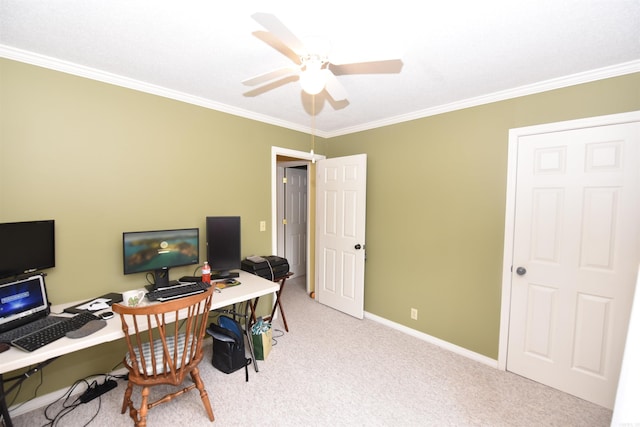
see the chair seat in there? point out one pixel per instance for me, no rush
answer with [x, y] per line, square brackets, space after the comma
[158, 350]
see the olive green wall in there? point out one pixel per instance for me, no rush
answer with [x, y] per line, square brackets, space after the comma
[436, 205]
[101, 159]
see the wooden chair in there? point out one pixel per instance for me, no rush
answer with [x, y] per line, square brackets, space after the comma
[154, 358]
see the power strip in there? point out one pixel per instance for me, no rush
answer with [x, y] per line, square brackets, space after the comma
[98, 390]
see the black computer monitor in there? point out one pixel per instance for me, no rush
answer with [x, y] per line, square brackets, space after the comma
[223, 246]
[158, 251]
[26, 247]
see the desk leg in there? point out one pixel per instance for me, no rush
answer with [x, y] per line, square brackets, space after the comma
[253, 304]
[3, 405]
[247, 329]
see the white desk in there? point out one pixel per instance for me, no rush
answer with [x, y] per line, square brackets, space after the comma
[251, 287]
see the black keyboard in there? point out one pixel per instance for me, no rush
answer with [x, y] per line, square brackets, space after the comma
[177, 291]
[30, 327]
[53, 332]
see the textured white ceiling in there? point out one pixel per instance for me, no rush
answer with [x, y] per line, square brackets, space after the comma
[454, 53]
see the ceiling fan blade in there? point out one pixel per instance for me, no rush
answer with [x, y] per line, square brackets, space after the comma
[273, 25]
[391, 66]
[277, 44]
[269, 76]
[333, 87]
[273, 84]
[350, 59]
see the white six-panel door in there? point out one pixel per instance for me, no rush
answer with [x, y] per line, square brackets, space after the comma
[575, 256]
[340, 233]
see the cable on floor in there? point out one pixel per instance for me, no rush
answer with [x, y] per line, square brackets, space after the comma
[276, 333]
[70, 402]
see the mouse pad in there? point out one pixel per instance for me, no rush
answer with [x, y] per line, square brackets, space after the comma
[113, 296]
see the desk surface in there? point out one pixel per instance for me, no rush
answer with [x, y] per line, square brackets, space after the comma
[252, 287]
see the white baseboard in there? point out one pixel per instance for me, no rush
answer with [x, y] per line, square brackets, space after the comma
[47, 399]
[435, 341]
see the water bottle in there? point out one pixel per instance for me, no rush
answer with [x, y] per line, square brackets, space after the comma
[206, 273]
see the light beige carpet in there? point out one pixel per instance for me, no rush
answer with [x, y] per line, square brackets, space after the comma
[333, 370]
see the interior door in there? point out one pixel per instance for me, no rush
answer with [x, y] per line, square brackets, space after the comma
[296, 220]
[575, 257]
[340, 233]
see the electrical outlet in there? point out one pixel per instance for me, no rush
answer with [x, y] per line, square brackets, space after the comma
[263, 225]
[414, 313]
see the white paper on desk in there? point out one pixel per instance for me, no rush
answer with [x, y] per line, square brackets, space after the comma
[101, 303]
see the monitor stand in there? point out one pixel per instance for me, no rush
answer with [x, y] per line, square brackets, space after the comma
[161, 280]
[152, 287]
[217, 275]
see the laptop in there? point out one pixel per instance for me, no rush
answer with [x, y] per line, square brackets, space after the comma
[22, 302]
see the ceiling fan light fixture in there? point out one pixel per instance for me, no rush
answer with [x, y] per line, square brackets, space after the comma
[312, 82]
[312, 78]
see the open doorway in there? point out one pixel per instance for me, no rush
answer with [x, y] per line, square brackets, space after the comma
[301, 242]
[293, 214]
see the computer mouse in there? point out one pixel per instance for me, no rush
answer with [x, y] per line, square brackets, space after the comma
[4, 347]
[106, 315]
[230, 281]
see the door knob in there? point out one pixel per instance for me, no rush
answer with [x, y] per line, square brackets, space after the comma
[358, 246]
[521, 271]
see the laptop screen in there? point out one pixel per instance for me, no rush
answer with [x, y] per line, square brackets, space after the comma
[22, 299]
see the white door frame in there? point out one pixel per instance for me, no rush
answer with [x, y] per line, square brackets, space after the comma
[514, 135]
[302, 155]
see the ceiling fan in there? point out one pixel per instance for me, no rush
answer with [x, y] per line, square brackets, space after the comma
[312, 61]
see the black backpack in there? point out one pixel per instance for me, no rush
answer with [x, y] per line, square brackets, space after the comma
[228, 346]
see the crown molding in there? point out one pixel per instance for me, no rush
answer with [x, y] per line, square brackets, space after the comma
[117, 80]
[105, 77]
[539, 87]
